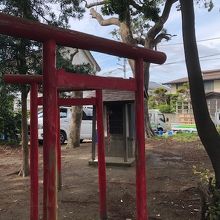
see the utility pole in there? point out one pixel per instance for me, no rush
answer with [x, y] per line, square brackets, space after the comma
[123, 67]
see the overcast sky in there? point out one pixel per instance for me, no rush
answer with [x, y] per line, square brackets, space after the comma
[208, 38]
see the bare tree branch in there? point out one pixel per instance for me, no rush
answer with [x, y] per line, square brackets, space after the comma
[162, 36]
[140, 40]
[40, 14]
[102, 21]
[93, 4]
[159, 25]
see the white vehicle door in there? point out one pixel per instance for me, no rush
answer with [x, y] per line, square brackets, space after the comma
[65, 117]
[86, 125]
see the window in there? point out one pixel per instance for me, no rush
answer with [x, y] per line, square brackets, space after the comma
[209, 86]
[179, 85]
[115, 120]
[209, 104]
[183, 107]
[63, 113]
[86, 116]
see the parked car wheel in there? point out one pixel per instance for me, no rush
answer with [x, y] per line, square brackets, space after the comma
[62, 137]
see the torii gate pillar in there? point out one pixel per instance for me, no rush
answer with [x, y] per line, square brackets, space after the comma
[141, 200]
[50, 135]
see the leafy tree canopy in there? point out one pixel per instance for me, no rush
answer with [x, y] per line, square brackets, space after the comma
[54, 12]
[22, 55]
[149, 9]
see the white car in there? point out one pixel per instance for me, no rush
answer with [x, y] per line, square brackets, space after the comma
[65, 120]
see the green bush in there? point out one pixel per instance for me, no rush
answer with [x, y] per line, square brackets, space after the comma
[210, 196]
[10, 127]
[10, 122]
[164, 108]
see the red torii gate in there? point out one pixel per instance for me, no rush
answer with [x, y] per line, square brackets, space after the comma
[55, 80]
[34, 81]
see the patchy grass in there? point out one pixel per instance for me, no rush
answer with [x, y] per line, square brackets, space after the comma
[183, 137]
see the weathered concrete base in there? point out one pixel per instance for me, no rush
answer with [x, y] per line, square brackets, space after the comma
[115, 147]
[114, 161]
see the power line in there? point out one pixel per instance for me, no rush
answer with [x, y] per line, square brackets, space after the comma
[107, 73]
[208, 39]
[183, 61]
[211, 59]
[110, 72]
[180, 61]
[180, 43]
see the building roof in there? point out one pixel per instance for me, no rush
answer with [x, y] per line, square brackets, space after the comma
[112, 95]
[118, 95]
[206, 75]
[155, 85]
[211, 94]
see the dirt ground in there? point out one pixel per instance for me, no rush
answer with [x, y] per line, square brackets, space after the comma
[171, 184]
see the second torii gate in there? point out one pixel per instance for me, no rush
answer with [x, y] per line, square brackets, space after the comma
[54, 80]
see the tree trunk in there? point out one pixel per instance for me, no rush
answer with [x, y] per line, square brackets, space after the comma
[22, 69]
[149, 131]
[75, 126]
[206, 128]
[126, 37]
[24, 137]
